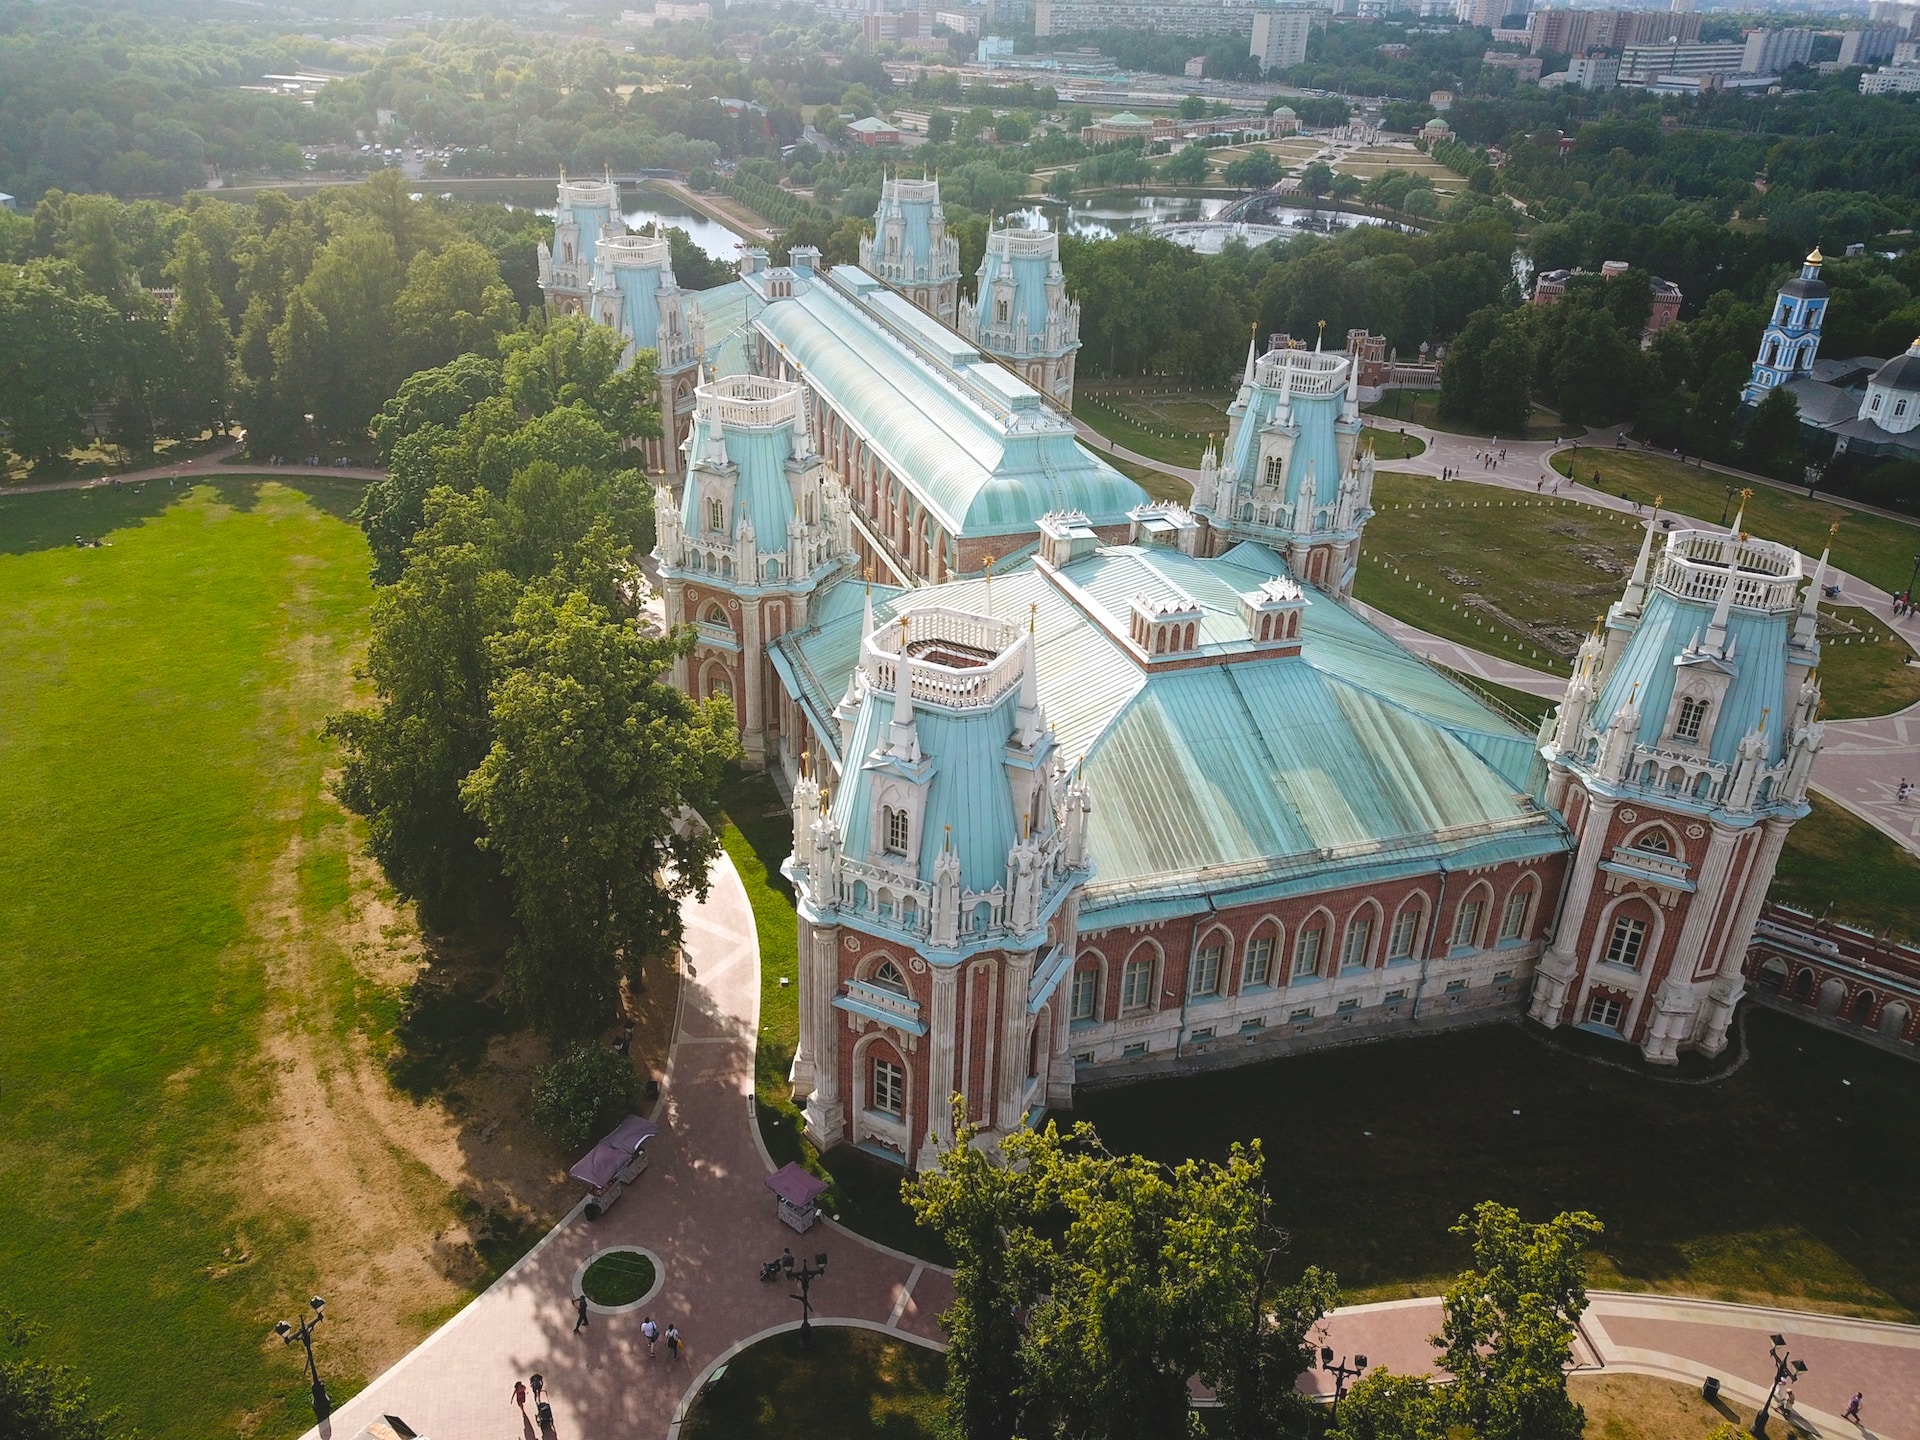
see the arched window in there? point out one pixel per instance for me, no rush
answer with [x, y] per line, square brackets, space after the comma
[1406, 933]
[1358, 946]
[717, 616]
[1655, 842]
[1466, 920]
[1136, 981]
[1513, 919]
[888, 1091]
[1203, 981]
[887, 976]
[1773, 350]
[1259, 959]
[1309, 948]
[1693, 715]
[897, 825]
[1086, 993]
[716, 514]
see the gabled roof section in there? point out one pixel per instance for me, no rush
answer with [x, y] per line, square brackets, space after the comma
[977, 446]
[1251, 770]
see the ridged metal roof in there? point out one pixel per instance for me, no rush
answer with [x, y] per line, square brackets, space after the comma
[1260, 771]
[974, 444]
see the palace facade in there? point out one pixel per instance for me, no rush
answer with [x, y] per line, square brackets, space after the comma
[1087, 786]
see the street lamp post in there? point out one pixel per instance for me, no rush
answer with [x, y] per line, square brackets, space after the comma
[1727, 504]
[1341, 1374]
[1913, 577]
[288, 1333]
[806, 1275]
[1784, 1367]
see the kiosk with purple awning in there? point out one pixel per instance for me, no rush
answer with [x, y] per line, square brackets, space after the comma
[613, 1164]
[797, 1193]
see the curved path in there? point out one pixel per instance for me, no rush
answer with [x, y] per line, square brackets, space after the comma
[213, 463]
[701, 1208]
[703, 1212]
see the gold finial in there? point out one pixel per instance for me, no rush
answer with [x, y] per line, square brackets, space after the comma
[1657, 501]
[1634, 693]
[1763, 716]
[1816, 258]
[949, 839]
[804, 755]
[1033, 615]
[1833, 530]
[1747, 494]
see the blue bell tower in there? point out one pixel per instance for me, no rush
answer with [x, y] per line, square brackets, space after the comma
[1792, 337]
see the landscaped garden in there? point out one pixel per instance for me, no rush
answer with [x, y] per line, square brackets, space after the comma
[1878, 549]
[1525, 577]
[850, 1385]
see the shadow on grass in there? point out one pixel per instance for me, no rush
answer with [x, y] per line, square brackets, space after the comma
[52, 519]
[1725, 1189]
[849, 1385]
[444, 1026]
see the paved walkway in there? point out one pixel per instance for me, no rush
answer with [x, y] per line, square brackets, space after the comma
[1688, 1340]
[213, 463]
[701, 1209]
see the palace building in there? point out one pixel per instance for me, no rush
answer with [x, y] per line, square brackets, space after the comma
[1087, 786]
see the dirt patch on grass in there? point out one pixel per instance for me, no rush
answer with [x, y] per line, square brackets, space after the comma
[1640, 1407]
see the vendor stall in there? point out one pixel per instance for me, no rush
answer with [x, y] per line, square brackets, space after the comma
[796, 1194]
[613, 1164]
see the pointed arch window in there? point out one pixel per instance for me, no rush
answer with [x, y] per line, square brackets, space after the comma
[716, 515]
[1136, 983]
[1654, 842]
[1628, 939]
[888, 977]
[1406, 930]
[898, 827]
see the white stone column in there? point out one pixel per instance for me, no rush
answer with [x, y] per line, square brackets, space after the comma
[1561, 964]
[1010, 1085]
[674, 597]
[1731, 983]
[826, 1118]
[1060, 1067]
[753, 719]
[1675, 1003]
[941, 1015]
[800, 1074]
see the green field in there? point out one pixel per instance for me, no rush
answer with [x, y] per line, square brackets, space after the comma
[1525, 577]
[1126, 420]
[1516, 575]
[172, 870]
[1409, 1134]
[1831, 858]
[1879, 550]
[850, 1385]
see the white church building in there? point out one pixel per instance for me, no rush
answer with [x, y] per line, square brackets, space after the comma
[1086, 786]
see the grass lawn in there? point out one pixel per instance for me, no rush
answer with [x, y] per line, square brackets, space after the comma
[1877, 549]
[1528, 709]
[1639, 1407]
[1113, 416]
[757, 830]
[1393, 445]
[1422, 407]
[1720, 1189]
[619, 1277]
[1513, 574]
[1833, 858]
[1525, 577]
[168, 857]
[851, 1385]
[99, 458]
[1157, 483]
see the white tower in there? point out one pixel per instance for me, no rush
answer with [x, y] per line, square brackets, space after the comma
[910, 248]
[587, 209]
[1679, 759]
[1023, 315]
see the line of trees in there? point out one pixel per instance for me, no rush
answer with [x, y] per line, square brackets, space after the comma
[524, 760]
[297, 319]
[1091, 1289]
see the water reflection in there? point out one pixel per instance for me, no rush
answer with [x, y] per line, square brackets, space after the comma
[645, 207]
[1184, 218]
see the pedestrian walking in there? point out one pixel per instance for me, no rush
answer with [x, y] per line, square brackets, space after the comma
[651, 1331]
[520, 1395]
[1853, 1407]
[673, 1341]
[539, 1384]
[580, 1320]
[1905, 789]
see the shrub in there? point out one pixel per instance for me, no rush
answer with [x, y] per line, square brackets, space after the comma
[583, 1094]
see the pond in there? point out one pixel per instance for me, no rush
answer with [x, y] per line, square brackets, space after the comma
[638, 207]
[1187, 218]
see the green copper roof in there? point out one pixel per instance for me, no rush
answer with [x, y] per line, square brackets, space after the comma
[975, 444]
[1258, 771]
